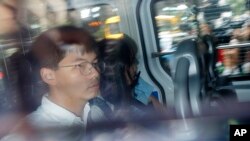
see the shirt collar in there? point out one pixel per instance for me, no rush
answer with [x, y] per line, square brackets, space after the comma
[60, 113]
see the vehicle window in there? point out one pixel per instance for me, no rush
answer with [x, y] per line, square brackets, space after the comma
[226, 21]
[112, 30]
[21, 24]
[174, 22]
[101, 20]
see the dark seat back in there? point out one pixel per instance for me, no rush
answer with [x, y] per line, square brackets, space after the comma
[187, 79]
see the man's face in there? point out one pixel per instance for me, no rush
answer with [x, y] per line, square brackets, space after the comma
[72, 81]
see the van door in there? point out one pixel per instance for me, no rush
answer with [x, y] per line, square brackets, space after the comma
[163, 26]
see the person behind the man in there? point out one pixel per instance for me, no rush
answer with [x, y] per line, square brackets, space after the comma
[69, 66]
[123, 94]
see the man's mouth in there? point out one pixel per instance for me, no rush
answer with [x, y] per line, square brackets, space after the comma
[94, 86]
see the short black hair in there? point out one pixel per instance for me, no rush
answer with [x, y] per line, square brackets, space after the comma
[49, 47]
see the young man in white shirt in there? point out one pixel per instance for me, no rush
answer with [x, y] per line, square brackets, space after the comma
[67, 56]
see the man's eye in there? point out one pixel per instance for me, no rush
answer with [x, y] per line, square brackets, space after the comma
[82, 64]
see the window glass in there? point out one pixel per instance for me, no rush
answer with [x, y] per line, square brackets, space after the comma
[92, 18]
[22, 21]
[96, 19]
[227, 21]
[174, 21]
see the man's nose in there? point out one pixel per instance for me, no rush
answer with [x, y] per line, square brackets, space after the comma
[95, 74]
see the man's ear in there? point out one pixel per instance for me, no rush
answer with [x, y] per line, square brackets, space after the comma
[48, 76]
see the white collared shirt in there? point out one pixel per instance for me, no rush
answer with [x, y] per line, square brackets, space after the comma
[54, 123]
[50, 114]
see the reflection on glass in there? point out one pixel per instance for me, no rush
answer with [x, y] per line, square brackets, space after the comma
[96, 17]
[246, 64]
[230, 61]
[50, 15]
[22, 21]
[234, 61]
[229, 23]
[85, 13]
[112, 28]
[174, 22]
[224, 20]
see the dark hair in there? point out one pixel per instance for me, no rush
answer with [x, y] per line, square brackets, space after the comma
[51, 46]
[123, 51]
[119, 56]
